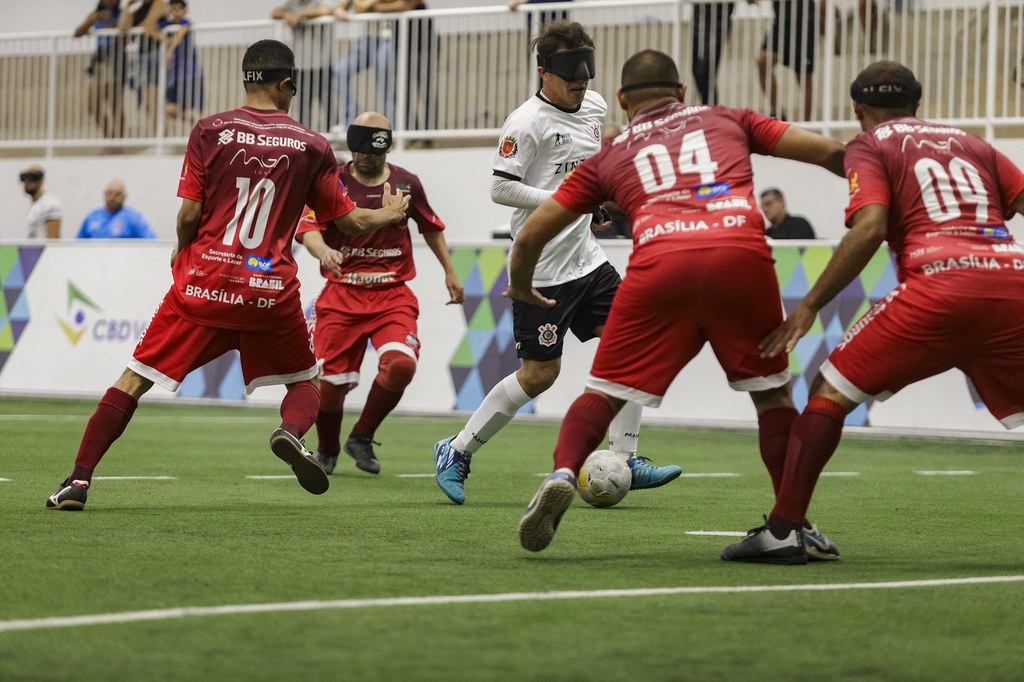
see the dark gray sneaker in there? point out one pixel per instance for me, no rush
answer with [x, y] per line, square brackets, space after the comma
[361, 450]
[327, 462]
[761, 547]
[290, 449]
[70, 496]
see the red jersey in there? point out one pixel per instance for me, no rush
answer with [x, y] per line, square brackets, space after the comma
[382, 257]
[948, 194]
[252, 171]
[682, 175]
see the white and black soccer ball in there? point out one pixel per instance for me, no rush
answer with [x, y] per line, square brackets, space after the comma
[604, 479]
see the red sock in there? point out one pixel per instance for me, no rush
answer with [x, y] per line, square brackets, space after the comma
[105, 426]
[773, 428]
[583, 429]
[814, 438]
[379, 404]
[328, 419]
[299, 408]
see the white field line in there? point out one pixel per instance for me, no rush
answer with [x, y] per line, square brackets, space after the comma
[6, 480]
[135, 478]
[722, 533]
[962, 472]
[839, 474]
[226, 610]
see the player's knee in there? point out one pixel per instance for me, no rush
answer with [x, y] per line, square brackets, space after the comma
[538, 378]
[395, 371]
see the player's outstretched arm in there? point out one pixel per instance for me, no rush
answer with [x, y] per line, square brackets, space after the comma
[365, 220]
[867, 232]
[517, 194]
[803, 145]
[541, 227]
[438, 244]
[187, 226]
[330, 259]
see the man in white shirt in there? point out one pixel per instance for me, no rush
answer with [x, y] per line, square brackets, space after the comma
[45, 213]
[541, 142]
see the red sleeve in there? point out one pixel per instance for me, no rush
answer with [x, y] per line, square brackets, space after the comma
[581, 191]
[420, 210]
[866, 175]
[327, 195]
[193, 174]
[308, 223]
[764, 131]
[1011, 182]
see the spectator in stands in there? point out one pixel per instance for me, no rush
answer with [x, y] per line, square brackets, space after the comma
[184, 76]
[543, 16]
[146, 15]
[314, 55]
[711, 26]
[114, 220]
[106, 69]
[793, 42]
[782, 225]
[45, 213]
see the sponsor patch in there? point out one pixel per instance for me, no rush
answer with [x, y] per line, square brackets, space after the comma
[562, 138]
[412, 341]
[548, 335]
[854, 182]
[257, 263]
[508, 148]
[709, 191]
[997, 232]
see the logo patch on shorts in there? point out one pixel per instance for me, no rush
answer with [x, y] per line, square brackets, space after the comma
[412, 341]
[548, 335]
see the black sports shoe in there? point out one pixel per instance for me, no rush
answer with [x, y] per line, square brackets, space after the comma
[327, 462]
[360, 449]
[70, 496]
[290, 449]
[761, 547]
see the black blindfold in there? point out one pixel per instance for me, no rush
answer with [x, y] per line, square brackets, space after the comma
[571, 65]
[368, 140]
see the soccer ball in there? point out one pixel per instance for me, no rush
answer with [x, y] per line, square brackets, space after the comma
[604, 479]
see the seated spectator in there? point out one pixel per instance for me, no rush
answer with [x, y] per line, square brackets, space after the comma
[184, 77]
[114, 220]
[45, 213]
[782, 225]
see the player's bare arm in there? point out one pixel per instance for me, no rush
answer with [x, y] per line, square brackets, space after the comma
[439, 246]
[365, 220]
[1018, 204]
[187, 226]
[541, 227]
[330, 259]
[803, 145]
[867, 232]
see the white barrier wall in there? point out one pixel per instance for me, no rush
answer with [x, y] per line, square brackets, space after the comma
[72, 313]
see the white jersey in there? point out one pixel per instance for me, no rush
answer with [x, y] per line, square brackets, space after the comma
[46, 207]
[540, 145]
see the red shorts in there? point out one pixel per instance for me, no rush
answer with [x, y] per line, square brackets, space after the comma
[171, 347]
[346, 317]
[917, 331]
[671, 303]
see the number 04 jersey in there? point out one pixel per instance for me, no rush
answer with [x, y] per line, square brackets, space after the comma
[253, 171]
[948, 193]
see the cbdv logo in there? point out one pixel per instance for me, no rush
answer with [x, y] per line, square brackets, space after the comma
[85, 320]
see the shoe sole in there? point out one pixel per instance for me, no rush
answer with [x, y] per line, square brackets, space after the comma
[664, 481]
[773, 560]
[539, 523]
[815, 554]
[67, 505]
[309, 474]
[361, 465]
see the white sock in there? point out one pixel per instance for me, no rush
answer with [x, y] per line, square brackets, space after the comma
[624, 431]
[497, 409]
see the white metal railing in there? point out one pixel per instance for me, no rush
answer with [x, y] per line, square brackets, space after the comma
[457, 73]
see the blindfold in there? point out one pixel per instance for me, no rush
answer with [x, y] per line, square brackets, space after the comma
[571, 65]
[368, 140]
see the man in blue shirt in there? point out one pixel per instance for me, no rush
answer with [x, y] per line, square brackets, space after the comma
[114, 220]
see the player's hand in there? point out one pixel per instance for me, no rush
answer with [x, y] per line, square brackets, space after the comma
[514, 4]
[455, 291]
[331, 260]
[530, 296]
[786, 335]
[398, 202]
[602, 220]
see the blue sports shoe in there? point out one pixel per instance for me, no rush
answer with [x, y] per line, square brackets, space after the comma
[452, 470]
[540, 520]
[646, 475]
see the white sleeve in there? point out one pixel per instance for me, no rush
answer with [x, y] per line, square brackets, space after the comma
[53, 210]
[517, 194]
[517, 145]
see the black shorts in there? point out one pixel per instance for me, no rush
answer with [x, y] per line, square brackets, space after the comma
[794, 34]
[580, 306]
